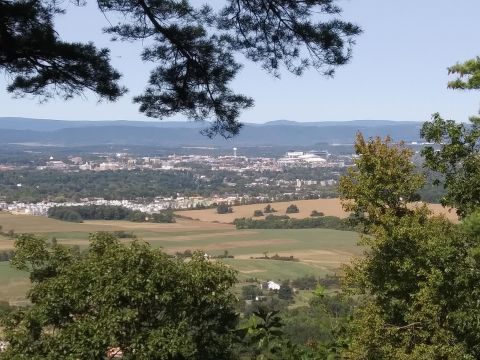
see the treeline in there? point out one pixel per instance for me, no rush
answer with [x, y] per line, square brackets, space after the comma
[107, 212]
[38, 185]
[275, 257]
[58, 186]
[284, 222]
[188, 254]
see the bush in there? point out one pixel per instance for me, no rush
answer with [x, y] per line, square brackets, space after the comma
[285, 292]
[331, 281]
[292, 209]
[307, 282]
[249, 292]
[152, 305]
[224, 209]
[269, 209]
[258, 213]
[277, 217]
[315, 213]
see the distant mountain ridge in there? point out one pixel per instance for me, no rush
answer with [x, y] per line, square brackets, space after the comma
[171, 133]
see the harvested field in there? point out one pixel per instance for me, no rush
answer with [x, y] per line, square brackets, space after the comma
[319, 251]
[330, 207]
[327, 206]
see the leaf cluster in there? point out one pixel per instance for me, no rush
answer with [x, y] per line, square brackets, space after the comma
[417, 280]
[43, 65]
[455, 155]
[193, 48]
[468, 75]
[382, 182]
[132, 298]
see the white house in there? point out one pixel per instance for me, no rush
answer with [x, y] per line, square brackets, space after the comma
[271, 285]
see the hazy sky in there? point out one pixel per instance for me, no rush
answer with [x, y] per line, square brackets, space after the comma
[398, 70]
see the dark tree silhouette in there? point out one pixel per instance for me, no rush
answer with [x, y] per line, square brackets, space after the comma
[41, 64]
[193, 49]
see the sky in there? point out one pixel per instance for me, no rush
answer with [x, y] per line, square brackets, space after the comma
[398, 70]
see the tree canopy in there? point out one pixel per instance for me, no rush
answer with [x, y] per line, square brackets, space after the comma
[113, 297]
[382, 182]
[468, 75]
[40, 63]
[417, 281]
[456, 156]
[193, 48]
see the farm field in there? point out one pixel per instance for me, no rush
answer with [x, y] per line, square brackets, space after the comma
[320, 251]
[330, 207]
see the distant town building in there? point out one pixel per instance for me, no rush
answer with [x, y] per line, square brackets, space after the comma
[300, 157]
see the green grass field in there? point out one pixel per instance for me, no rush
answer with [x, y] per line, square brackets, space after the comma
[13, 284]
[320, 251]
[272, 270]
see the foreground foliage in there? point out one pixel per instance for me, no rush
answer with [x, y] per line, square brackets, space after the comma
[132, 298]
[193, 49]
[279, 222]
[418, 280]
[456, 156]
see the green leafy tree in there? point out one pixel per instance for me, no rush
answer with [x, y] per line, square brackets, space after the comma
[321, 325]
[194, 49]
[269, 209]
[250, 292]
[258, 213]
[316, 213]
[307, 282]
[382, 182]
[292, 209]
[224, 209]
[132, 298]
[457, 147]
[468, 75]
[456, 156]
[265, 339]
[285, 292]
[417, 279]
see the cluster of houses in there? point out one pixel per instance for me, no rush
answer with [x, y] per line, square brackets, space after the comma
[157, 205]
[124, 161]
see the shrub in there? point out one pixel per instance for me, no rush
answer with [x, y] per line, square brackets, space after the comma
[269, 209]
[285, 292]
[316, 213]
[249, 292]
[224, 209]
[292, 209]
[258, 213]
[307, 282]
[277, 217]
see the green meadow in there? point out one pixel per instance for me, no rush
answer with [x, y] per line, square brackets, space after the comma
[317, 251]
